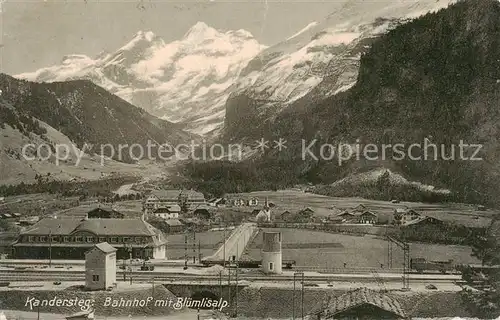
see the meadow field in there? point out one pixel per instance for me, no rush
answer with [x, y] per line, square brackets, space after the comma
[331, 251]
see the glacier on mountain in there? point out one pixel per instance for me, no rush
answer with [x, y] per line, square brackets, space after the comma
[183, 81]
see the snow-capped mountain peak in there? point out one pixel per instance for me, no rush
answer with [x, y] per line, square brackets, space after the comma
[187, 80]
[201, 31]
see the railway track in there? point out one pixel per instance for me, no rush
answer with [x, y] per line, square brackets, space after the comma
[71, 275]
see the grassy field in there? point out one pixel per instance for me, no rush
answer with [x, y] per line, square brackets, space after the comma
[327, 250]
[37, 204]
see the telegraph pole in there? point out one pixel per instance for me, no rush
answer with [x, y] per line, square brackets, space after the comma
[229, 285]
[302, 296]
[293, 299]
[295, 276]
[236, 292]
[50, 248]
[194, 246]
[153, 291]
[199, 251]
[124, 264]
[224, 246]
[185, 252]
[220, 283]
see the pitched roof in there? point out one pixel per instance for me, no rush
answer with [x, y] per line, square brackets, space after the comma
[404, 210]
[168, 209]
[81, 314]
[133, 227]
[467, 220]
[105, 247]
[54, 226]
[359, 207]
[203, 207]
[192, 195]
[173, 222]
[105, 209]
[166, 194]
[369, 213]
[175, 194]
[346, 213]
[358, 297]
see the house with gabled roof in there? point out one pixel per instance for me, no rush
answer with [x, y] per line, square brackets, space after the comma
[162, 198]
[359, 208]
[359, 304]
[168, 212]
[404, 215]
[359, 217]
[368, 217]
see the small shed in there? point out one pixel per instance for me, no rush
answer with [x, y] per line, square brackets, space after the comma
[100, 267]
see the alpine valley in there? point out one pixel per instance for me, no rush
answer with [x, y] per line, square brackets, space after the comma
[370, 72]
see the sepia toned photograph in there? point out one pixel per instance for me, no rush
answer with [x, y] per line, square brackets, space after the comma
[249, 159]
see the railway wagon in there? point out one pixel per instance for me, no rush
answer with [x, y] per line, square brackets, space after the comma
[287, 264]
[422, 265]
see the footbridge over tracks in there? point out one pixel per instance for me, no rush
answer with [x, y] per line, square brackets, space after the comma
[235, 244]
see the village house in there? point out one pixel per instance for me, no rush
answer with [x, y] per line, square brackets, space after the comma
[252, 202]
[360, 208]
[404, 215]
[70, 238]
[81, 315]
[100, 267]
[174, 226]
[191, 198]
[28, 221]
[16, 215]
[347, 217]
[334, 218]
[218, 202]
[285, 216]
[238, 202]
[264, 215]
[359, 217]
[203, 212]
[362, 304]
[165, 198]
[368, 217]
[422, 221]
[104, 213]
[168, 212]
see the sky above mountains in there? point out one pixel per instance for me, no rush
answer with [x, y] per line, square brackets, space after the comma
[37, 33]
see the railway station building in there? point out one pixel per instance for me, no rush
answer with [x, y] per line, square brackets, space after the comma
[69, 238]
